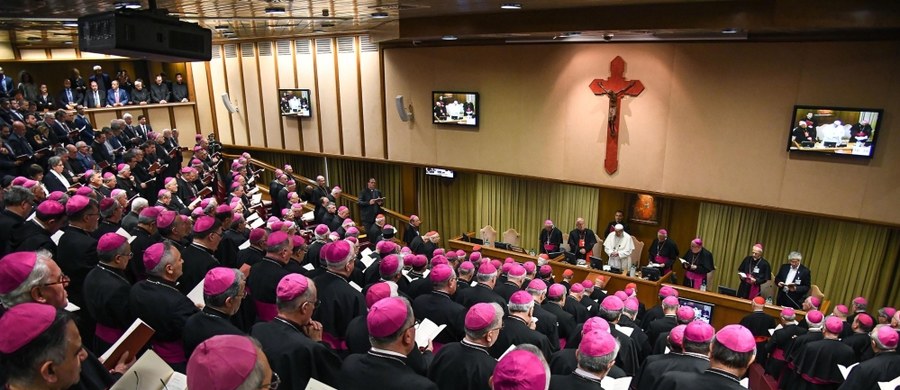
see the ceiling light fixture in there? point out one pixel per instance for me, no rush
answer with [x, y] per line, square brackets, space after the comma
[449, 37]
[511, 6]
[275, 10]
[379, 15]
[70, 24]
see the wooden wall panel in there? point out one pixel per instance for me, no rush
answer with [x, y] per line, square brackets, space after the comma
[287, 78]
[269, 95]
[351, 127]
[183, 118]
[64, 53]
[234, 79]
[158, 116]
[372, 102]
[200, 85]
[306, 78]
[250, 77]
[328, 100]
[217, 82]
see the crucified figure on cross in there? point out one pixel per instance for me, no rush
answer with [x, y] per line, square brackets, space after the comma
[615, 88]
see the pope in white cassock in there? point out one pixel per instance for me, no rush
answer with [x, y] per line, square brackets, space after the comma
[618, 246]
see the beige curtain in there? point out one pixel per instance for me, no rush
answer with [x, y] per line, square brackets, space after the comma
[846, 259]
[471, 201]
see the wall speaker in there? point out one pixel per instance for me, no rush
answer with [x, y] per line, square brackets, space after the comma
[228, 106]
[403, 111]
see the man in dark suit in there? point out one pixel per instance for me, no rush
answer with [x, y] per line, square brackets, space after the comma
[370, 202]
[95, 97]
[7, 88]
[793, 282]
[83, 122]
[69, 97]
[101, 78]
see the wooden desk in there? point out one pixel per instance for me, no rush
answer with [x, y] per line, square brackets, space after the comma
[728, 309]
[494, 253]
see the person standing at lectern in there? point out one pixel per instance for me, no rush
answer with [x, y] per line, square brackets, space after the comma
[550, 238]
[582, 241]
[754, 271]
[618, 246]
[698, 261]
[793, 282]
[370, 202]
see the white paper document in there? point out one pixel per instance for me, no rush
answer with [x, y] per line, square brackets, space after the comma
[367, 260]
[71, 307]
[309, 267]
[893, 384]
[846, 370]
[56, 236]
[427, 331]
[355, 286]
[313, 384]
[245, 245]
[625, 330]
[196, 294]
[253, 217]
[257, 223]
[150, 372]
[742, 275]
[367, 252]
[308, 216]
[125, 234]
[256, 198]
[508, 350]
[615, 384]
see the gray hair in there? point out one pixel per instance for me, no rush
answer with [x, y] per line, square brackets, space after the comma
[53, 161]
[293, 305]
[139, 204]
[125, 115]
[110, 255]
[232, 291]
[498, 319]
[795, 255]
[874, 336]
[279, 247]
[445, 283]
[520, 307]
[484, 278]
[36, 277]
[168, 257]
[17, 195]
[80, 144]
[255, 379]
[598, 364]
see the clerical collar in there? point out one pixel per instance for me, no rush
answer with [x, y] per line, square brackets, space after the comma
[469, 344]
[213, 312]
[441, 293]
[337, 275]
[385, 354]
[201, 246]
[517, 318]
[273, 261]
[696, 355]
[161, 282]
[295, 326]
[79, 228]
[587, 375]
[115, 271]
[723, 374]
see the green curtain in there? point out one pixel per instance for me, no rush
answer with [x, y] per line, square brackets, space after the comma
[473, 200]
[846, 259]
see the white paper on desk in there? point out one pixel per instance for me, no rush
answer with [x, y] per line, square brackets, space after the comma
[256, 198]
[309, 267]
[313, 384]
[257, 223]
[355, 286]
[745, 383]
[367, 252]
[253, 191]
[607, 268]
[367, 261]
[134, 325]
[56, 236]
[71, 307]
[889, 385]
[252, 217]
[125, 234]
[427, 331]
[845, 371]
[508, 350]
[196, 294]
[245, 245]
[625, 330]
[150, 372]
[308, 216]
[252, 179]
[609, 383]
[742, 275]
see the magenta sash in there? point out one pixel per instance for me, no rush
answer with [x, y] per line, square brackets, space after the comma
[562, 343]
[659, 259]
[778, 354]
[754, 291]
[265, 311]
[549, 248]
[108, 334]
[815, 381]
[696, 279]
[437, 346]
[336, 343]
[171, 352]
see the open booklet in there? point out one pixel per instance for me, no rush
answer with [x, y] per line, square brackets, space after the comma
[615, 384]
[426, 331]
[313, 384]
[196, 295]
[150, 372]
[133, 340]
[892, 385]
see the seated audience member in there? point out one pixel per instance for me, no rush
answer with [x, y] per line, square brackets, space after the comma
[884, 366]
[522, 368]
[519, 328]
[223, 292]
[780, 341]
[816, 361]
[695, 339]
[596, 356]
[229, 362]
[467, 364]
[733, 350]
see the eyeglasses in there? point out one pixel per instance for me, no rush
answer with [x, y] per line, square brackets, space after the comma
[315, 304]
[273, 384]
[63, 280]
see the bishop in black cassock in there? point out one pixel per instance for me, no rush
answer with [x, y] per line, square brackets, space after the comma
[883, 367]
[223, 292]
[467, 365]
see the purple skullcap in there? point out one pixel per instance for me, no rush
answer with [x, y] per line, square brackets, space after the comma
[736, 338]
[23, 323]
[437, 260]
[888, 336]
[342, 208]
[517, 270]
[84, 191]
[19, 180]
[122, 167]
[537, 284]
[556, 290]
[865, 320]
[475, 256]
[150, 212]
[162, 192]
[29, 184]
[276, 238]
[670, 301]
[520, 298]
[460, 253]
[698, 332]
[76, 204]
[291, 286]
[347, 221]
[677, 335]
[497, 264]
[153, 255]
[888, 311]
[109, 175]
[116, 192]
[233, 185]
[221, 363]
[385, 247]
[387, 317]
[203, 224]
[338, 251]
[217, 280]
[505, 268]
[467, 266]
[166, 181]
[298, 240]
[814, 317]
[587, 284]
[663, 232]
[353, 240]
[88, 173]
[288, 167]
[297, 206]
[621, 295]
[438, 251]
[440, 273]
[224, 209]
[451, 255]
[815, 301]
[787, 312]
[197, 148]
[546, 270]
[276, 226]
[196, 162]
[576, 288]
[834, 325]
[278, 173]
[595, 323]
[530, 267]
[110, 242]
[842, 309]
[106, 204]
[379, 291]
[197, 212]
[352, 231]
[666, 291]
[480, 316]
[415, 261]
[165, 219]
[57, 195]
[632, 304]
[487, 269]
[859, 300]
[697, 241]
[509, 260]
[597, 343]
[186, 170]
[390, 265]
[629, 291]
[685, 314]
[205, 202]
[14, 269]
[245, 155]
[612, 303]
[519, 370]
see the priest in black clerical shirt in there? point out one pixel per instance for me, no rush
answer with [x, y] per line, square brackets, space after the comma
[816, 361]
[759, 324]
[754, 271]
[666, 322]
[547, 323]
[519, 327]
[582, 241]
[223, 291]
[859, 340]
[816, 322]
[550, 238]
[467, 364]
[341, 302]
[391, 326]
[484, 290]
[731, 354]
[106, 291]
[596, 356]
[556, 299]
[199, 255]
[883, 367]
[265, 275]
[780, 341]
[439, 307]
[293, 341]
[77, 255]
[663, 252]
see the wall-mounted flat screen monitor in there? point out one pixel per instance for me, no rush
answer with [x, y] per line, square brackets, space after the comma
[837, 131]
[455, 108]
[702, 310]
[440, 172]
[295, 102]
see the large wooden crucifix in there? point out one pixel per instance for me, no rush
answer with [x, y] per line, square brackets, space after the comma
[615, 88]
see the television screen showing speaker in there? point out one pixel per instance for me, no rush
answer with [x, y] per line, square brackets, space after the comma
[295, 102]
[837, 131]
[455, 108]
[702, 310]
